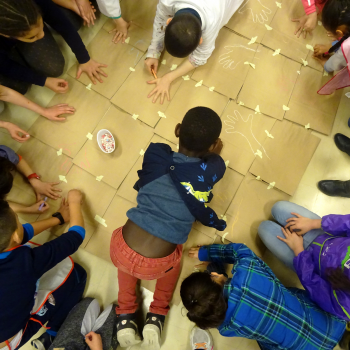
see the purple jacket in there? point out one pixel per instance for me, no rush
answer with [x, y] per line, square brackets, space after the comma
[329, 250]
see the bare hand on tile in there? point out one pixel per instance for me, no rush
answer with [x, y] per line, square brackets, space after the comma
[60, 86]
[86, 11]
[92, 69]
[162, 89]
[120, 30]
[47, 189]
[53, 113]
[307, 24]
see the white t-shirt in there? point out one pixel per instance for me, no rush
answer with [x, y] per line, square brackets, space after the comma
[214, 15]
[110, 8]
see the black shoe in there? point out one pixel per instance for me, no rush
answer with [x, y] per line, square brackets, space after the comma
[152, 331]
[342, 142]
[335, 188]
[43, 342]
[127, 330]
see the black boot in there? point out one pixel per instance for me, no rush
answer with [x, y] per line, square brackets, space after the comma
[342, 142]
[335, 188]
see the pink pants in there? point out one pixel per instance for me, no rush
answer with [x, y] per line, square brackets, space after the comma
[133, 266]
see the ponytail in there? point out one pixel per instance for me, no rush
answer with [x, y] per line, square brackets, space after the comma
[18, 16]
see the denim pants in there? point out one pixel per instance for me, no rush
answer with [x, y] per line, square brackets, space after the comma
[269, 230]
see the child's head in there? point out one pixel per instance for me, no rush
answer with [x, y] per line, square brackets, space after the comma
[182, 34]
[11, 231]
[199, 130]
[6, 177]
[336, 18]
[204, 300]
[21, 20]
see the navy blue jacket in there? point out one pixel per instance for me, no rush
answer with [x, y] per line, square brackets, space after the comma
[195, 178]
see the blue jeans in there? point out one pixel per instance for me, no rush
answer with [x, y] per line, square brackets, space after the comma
[269, 230]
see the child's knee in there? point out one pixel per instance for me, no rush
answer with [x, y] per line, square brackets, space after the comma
[279, 207]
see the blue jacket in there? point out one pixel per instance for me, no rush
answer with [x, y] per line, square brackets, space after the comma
[197, 179]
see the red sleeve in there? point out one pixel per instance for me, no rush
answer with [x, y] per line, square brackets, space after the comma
[309, 6]
[19, 157]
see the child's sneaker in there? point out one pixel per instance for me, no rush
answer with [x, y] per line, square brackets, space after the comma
[127, 331]
[43, 342]
[201, 339]
[152, 331]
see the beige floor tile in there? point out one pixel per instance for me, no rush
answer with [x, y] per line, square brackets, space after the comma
[130, 137]
[119, 59]
[243, 133]
[115, 217]
[139, 37]
[307, 107]
[296, 147]
[71, 134]
[166, 129]
[225, 69]
[223, 192]
[278, 73]
[306, 196]
[136, 89]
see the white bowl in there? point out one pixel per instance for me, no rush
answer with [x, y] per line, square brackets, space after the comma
[99, 139]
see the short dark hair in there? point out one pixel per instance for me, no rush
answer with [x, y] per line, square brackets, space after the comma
[334, 14]
[204, 300]
[182, 35]
[200, 128]
[338, 279]
[6, 177]
[18, 16]
[8, 224]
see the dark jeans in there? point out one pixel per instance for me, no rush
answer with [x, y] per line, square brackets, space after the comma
[43, 56]
[66, 297]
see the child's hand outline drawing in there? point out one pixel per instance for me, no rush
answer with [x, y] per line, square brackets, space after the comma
[260, 15]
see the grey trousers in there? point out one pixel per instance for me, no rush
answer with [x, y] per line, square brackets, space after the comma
[85, 317]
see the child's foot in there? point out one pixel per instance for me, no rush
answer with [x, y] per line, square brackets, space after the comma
[152, 331]
[127, 331]
[43, 342]
[201, 339]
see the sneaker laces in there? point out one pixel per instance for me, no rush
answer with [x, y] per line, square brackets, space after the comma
[201, 346]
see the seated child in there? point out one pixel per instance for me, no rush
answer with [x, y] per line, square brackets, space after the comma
[317, 249]
[173, 189]
[336, 20]
[186, 28]
[39, 284]
[254, 304]
[9, 160]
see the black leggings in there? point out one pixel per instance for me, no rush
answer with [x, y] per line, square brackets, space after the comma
[44, 56]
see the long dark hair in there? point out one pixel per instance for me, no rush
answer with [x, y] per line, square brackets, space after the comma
[204, 300]
[338, 279]
[18, 16]
[334, 14]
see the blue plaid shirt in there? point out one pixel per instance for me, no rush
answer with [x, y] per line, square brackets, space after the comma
[261, 308]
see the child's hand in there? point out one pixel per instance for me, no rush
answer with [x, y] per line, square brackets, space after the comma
[120, 30]
[60, 86]
[218, 147]
[94, 341]
[93, 70]
[34, 209]
[193, 252]
[86, 11]
[307, 24]
[64, 210]
[321, 60]
[151, 63]
[53, 113]
[47, 189]
[16, 132]
[320, 49]
[293, 241]
[301, 225]
[75, 196]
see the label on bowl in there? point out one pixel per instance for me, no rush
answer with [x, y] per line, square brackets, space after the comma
[107, 142]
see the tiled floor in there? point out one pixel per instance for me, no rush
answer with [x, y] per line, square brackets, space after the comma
[109, 106]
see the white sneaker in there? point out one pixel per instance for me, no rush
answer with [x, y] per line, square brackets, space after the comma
[201, 339]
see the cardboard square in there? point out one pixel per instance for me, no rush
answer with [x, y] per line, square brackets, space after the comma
[136, 89]
[306, 106]
[270, 84]
[225, 68]
[44, 161]
[290, 152]
[251, 205]
[189, 96]
[187, 264]
[140, 12]
[224, 192]
[126, 189]
[251, 17]
[71, 134]
[282, 36]
[97, 195]
[243, 133]
[115, 217]
[166, 129]
[139, 37]
[130, 137]
[119, 59]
